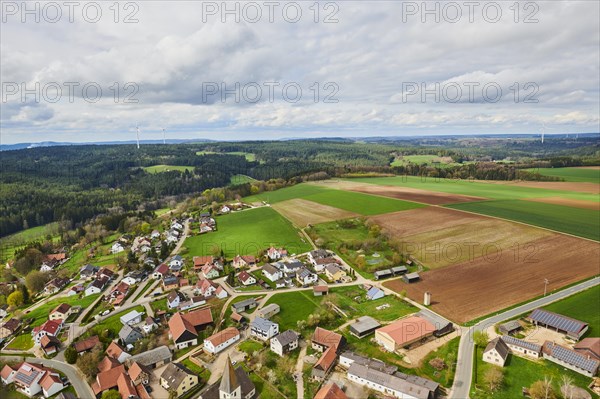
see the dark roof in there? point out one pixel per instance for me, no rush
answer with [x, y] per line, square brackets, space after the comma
[510, 326]
[375, 364]
[175, 373]
[364, 323]
[557, 321]
[12, 324]
[244, 303]
[411, 276]
[87, 344]
[523, 344]
[500, 347]
[382, 272]
[286, 337]
[571, 357]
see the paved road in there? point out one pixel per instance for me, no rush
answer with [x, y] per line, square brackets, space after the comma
[462, 379]
[75, 377]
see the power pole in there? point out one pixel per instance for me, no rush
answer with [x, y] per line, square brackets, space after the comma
[546, 282]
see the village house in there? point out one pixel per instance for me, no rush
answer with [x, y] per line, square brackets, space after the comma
[117, 352]
[155, 234]
[50, 327]
[306, 277]
[120, 289]
[317, 254]
[3, 311]
[170, 282]
[55, 285]
[568, 358]
[268, 311]
[176, 225]
[184, 328]
[105, 273]
[320, 264]
[116, 248]
[140, 374]
[324, 365]
[9, 328]
[149, 325]
[330, 391]
[404, 333]
[33, 379]
[221, 340]
[263, 329]
[61, 312]
[96, 286]
[246, 278]
[86, 345]
[176, 263]
[88, 271]
[130, 334]
[160, 271]
[276, 253]
[348, 358]
[76, 289]
[271, 272]
[334, 272]
[285, 342]
[210, 271]
[290, 267]
[175, 298]
[235, 384]
[107, 379]
[201, 261]
[208, 288]
[496, 352]
[191, 303]
[50, 344]
[133, 278]
[176, 377]
[243, 261]
[323, 339]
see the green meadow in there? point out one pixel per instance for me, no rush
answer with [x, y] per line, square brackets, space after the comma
[576, 221]
[500, 191]
[167, 168]
[248, 232]
[360, 203]
[571, 174]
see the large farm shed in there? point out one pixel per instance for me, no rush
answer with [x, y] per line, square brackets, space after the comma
[571, 327]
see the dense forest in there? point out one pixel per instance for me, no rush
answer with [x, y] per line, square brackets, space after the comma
[75, 183]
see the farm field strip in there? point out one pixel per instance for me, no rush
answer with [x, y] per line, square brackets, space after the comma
[567, 202]
[576, 221]
[403, 193]
[490, 189]
[302, 212]
[360, 203]
[167, 168]
[246, 233]
[574, 174]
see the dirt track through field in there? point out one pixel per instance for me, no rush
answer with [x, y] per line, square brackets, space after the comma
[302, 212]
[568, 202]
[404, 193]
[472, 289]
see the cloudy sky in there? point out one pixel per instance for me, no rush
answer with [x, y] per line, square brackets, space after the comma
[260, 70]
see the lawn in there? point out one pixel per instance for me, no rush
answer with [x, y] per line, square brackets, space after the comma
[576, 221]
[250, 346]
[360, 203]
[580, 306]
[149, 283]
[501, 191]
[248, 232]
[296, 305]
[344, 298]
[161, 304]
[519, 373]
[167, 168]
[10, 243]
[40, 314]
[21, 342]
[113, 323]
[203, 372]
[448, 352]
[571, 174]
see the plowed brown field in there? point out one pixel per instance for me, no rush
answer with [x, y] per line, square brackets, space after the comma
[472, 289]
[302, 212]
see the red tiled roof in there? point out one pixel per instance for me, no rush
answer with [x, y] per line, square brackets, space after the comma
[408, 329]
[48, 380]
[327, 359]
[163, 268]
[243, 276]
[107, 363]
[125, 386]
[222, 336]
[321, 288]
[330, 391]
[6, 370]
[180, 323]
[114, 350]
[48, 341]
[51, 327]
[86, 344]
[59, 256]
[326, 338]
[202, 260]
[107, 379]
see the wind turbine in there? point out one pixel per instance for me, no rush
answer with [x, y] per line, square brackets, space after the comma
[543, 131]
[137, 129]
